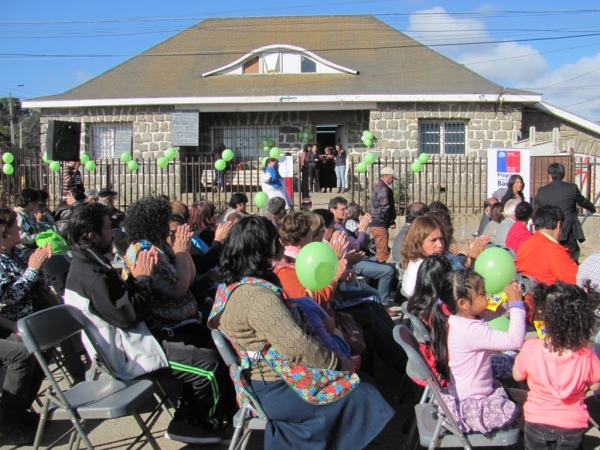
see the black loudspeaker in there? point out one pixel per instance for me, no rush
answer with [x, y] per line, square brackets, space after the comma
[62, 140]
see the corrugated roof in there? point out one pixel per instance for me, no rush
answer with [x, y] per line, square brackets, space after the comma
[388, 61]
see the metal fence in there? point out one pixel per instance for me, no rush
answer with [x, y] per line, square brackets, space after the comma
[458, 181]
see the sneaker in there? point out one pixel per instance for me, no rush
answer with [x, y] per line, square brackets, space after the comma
[190, 433]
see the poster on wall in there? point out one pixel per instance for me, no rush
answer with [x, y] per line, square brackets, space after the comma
[502, 164]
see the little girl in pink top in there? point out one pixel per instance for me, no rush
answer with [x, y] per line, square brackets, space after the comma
[477, 401]
[560, 368]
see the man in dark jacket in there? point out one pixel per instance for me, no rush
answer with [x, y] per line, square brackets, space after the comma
[383, 212]
[120, 313]
[566, 196]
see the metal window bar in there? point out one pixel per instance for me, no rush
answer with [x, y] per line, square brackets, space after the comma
[429, 134]
[245, 141]
[454, 138]
[103, 138]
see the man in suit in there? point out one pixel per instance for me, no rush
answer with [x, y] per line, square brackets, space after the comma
[566, 196]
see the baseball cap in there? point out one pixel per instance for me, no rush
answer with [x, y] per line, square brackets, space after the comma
[389, 171]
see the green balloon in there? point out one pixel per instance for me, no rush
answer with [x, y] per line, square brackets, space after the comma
[416, 166]
[220, 164]
[46, 159]
[499, 323]
[497, 268]
[306, 130]
[8, 169]
[368, 135]
[305, 141]
[264, 161]
[369, 158]
[260, 199]
[275, 153]
[171, 153]
[84, 158]
[271, 143]
[54, 166]
[8, 157]
[316, 265]
[90, 166]
[368, 142]
[266, 148]
[126, 157]
[162, 162]
[423, 158]
[365, 133]
[361, 167]
[227, 155]
[133, 165]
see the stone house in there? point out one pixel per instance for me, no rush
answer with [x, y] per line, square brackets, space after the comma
[237, 80]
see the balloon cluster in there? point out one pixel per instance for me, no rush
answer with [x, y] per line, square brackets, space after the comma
[163, 161]
[367, 138]
[132, 164]
[7, 167]
[84, 158]
[305, 135]
[266, 143]
[497, 268]
[417, 164]
[368, 159]
[226, 156]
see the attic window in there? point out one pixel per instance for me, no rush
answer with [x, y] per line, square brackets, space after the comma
[251, 66]
[307, 65]
[280, 58]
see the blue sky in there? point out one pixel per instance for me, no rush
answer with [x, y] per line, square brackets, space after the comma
[550, 47]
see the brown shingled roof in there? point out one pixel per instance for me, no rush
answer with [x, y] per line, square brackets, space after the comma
[388, 62]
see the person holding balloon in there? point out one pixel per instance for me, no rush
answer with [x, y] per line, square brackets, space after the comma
[272, 184]
[477, 401]
[320, 402]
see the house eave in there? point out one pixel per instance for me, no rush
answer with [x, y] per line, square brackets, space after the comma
[236, 102]
[569, 117]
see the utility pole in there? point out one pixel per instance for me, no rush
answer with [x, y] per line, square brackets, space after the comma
[11, 119]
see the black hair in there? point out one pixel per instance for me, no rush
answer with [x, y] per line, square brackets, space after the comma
[429, 281]
[569, 314]
[416, 209]
[523, 211]
[326, 215]
[77, 194]
[438, 206]
[26, 196]
[460, 284]
[335, 201]
[148, 219]
[84, 220]
[548, 216]
[556, 171]
[7, 218]
[236, 199]
[248, 251]
[44, 196]
[511, 182]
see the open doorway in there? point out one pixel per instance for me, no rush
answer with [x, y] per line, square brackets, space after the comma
[330, 135]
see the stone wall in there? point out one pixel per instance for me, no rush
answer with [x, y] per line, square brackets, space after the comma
[571, 136]
[396, 126]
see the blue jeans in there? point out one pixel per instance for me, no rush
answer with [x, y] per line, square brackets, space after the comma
[340, 174]
[545, 437]
[380, 272]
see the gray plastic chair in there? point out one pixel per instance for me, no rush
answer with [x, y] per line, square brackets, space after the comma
[249, 417]
[100, 400]
[419, 329]
[439, 429]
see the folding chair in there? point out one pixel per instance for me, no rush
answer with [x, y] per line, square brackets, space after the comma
[419, 329]
[109, 399]
[250, 416]
[439, 429]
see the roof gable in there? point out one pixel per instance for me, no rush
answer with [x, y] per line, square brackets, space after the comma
[389, 63]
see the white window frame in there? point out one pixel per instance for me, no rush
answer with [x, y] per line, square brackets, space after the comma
[443, 126]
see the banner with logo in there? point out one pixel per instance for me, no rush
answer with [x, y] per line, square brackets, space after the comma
[502, 164]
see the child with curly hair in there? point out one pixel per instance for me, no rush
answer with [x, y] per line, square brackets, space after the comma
[560, 368]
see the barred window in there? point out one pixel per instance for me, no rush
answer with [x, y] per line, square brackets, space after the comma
[442, 137]
[103, 137]
[245, 141]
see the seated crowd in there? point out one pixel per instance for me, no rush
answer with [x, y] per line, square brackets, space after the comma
[308, 355]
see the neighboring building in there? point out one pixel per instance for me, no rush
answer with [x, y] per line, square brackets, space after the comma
[237, 80]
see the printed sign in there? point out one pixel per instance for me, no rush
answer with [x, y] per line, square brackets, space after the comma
[502, 164]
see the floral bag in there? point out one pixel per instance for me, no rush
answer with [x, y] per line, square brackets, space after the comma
[315, 386]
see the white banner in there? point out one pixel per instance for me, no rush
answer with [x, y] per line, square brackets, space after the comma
[504, 162]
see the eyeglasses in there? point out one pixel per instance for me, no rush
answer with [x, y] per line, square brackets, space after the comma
[345, 208]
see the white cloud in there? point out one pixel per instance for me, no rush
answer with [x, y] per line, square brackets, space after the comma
[82, 76]
[500, 61]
